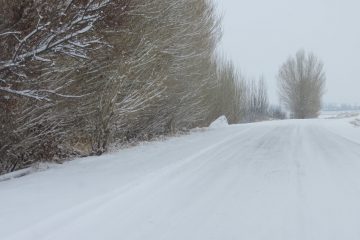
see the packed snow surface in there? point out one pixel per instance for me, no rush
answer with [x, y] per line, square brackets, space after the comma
[281, 180]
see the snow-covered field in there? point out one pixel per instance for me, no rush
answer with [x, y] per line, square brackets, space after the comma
[280, 180]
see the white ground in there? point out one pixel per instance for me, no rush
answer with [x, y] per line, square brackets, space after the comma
[282, 180]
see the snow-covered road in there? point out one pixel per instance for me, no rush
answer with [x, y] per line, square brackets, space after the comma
[271, 181]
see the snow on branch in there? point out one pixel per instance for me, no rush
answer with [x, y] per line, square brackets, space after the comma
[41, 94]
[9, 33]
[24, 93]
[46, 34]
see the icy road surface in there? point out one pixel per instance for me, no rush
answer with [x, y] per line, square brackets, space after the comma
[271, 181]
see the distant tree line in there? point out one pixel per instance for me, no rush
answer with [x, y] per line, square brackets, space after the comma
[79, 75]
[340, 107]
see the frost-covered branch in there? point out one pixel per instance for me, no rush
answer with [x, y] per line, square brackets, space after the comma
[48, 34]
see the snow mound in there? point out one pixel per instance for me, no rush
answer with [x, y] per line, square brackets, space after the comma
[356, 122]
[219, 122]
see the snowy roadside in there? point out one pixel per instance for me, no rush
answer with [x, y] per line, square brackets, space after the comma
[344, 124]
[38, 167]
[221, 122]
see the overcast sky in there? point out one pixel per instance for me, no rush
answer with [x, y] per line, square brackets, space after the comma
[259, 35]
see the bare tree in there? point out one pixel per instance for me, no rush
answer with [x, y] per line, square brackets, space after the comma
[301, 82]
[35, 34]
[44, 46]
[78, 75]
[229, 93]
[257, 100]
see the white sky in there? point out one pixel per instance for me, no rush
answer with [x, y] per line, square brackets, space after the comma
[259, 35]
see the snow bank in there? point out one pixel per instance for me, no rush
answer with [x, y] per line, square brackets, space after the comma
[27, 171]
[219, 122]
[17, 174]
